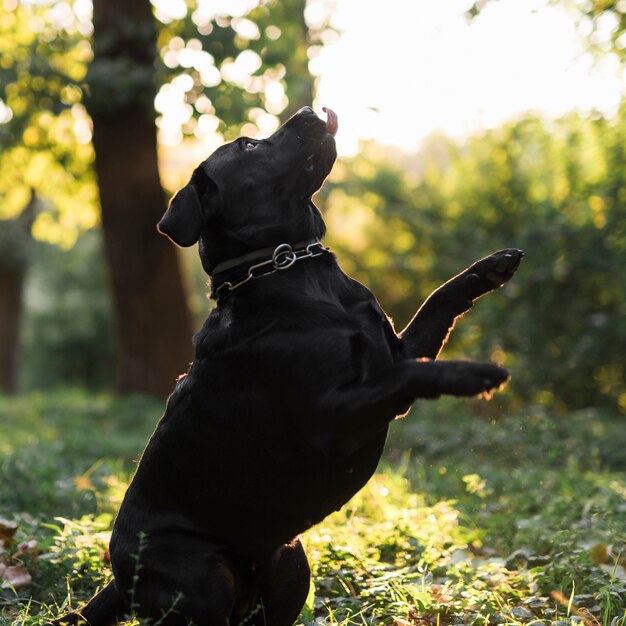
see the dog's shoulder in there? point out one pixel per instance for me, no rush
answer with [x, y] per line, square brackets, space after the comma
[318, 310]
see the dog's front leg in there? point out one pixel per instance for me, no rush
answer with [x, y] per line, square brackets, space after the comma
[428, 331]
[355, 413]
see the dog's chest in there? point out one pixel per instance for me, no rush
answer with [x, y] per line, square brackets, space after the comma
[374, 344]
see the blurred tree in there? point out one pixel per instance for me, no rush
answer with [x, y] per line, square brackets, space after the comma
[152, 317]
[15, 253]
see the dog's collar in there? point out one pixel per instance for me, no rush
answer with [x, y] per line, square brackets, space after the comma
[266, 261]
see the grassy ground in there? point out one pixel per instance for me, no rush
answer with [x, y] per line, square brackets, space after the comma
[469, 521]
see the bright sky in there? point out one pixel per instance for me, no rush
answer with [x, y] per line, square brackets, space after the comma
[405, 68]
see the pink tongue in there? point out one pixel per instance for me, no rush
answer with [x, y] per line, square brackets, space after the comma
[331, 121]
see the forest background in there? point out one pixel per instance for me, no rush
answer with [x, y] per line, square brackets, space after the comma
[105, 110]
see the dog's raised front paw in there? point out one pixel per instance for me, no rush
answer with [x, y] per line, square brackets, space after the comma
[467, 378]
[491, 272]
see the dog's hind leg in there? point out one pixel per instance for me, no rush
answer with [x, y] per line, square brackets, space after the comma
[186, 580]
[283, 583]
[428, 331]
[104, 609]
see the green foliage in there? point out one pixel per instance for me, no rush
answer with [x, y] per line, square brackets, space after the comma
[67, 453]
[44, 130]
[556, 191]
[68, 324]
[65, 461]
[468, 521]
[43, 49]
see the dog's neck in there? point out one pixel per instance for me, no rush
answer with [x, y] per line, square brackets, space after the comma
[255, 255]
[234, 273]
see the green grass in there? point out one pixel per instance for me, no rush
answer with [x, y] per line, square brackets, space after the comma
[468, 521]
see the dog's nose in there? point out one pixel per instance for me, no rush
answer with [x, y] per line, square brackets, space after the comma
[305, 111]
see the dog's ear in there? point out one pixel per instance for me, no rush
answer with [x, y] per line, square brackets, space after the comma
[182, 221]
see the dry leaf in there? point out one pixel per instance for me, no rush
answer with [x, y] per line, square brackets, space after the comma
[440, 593]
[15, 576]
[7, 531]
[27, 547]
[599, 554]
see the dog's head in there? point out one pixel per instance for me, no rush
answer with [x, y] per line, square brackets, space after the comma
[255, 193]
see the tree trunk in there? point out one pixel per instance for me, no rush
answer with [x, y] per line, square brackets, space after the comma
[14, 262]
[11, 282]
[152, 318]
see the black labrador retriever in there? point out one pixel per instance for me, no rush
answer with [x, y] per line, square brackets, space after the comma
[283, 414]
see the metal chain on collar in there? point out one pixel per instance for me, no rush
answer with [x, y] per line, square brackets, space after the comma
[283, 257]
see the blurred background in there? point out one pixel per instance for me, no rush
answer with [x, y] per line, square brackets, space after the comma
[464, 127]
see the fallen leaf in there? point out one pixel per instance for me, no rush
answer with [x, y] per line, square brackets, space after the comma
[440, 593]
[7, 531]
[27, 547]
[599, 554]
[15, 576]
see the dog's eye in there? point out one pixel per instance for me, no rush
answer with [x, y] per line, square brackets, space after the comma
[250, 146]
